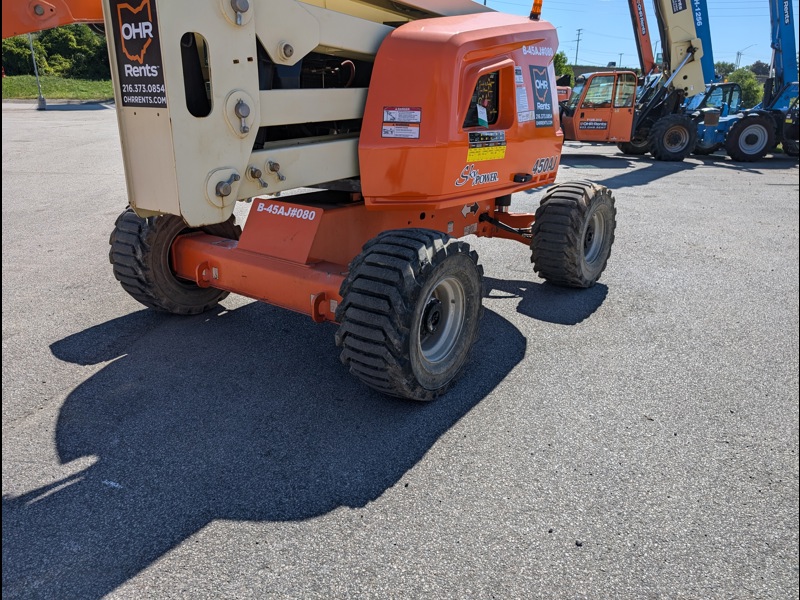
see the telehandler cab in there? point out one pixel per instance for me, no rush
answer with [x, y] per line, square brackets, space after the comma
[413, 121]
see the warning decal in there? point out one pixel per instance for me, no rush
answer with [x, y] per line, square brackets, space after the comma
[523, 109]
[400, 130]
[402, 114]
[486, 145]
[401, 122]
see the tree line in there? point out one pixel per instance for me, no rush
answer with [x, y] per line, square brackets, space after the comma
[74, 51]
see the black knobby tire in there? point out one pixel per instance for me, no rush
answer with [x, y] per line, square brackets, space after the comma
[410, 310]
[140, 255]
[791, 147]
[573, 233]
[750, 138]
[634, 147]
[672, 138]
[701, 149]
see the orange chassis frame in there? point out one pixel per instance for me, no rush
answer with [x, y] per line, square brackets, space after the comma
[301, 267]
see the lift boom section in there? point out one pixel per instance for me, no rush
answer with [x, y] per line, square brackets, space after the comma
[784, 49]
[641, 31]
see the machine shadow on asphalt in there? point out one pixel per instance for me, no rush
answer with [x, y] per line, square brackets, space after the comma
[56, 106]
[650, 170]
[643, 170]
[242, 414]
[547, 302]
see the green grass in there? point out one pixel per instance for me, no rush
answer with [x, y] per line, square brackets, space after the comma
[56, 88]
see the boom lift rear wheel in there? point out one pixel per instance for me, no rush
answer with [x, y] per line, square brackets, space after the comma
[140, 254]
[673, 138]
[750, 138]
[410, 310]
[573, 233]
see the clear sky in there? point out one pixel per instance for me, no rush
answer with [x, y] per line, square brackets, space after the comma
[736, 26]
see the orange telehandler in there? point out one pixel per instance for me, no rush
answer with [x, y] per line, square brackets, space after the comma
[613, 107]
[413, 122]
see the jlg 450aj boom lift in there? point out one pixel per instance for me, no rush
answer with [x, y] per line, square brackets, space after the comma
[415, 121]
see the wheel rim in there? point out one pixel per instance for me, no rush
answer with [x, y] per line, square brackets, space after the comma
[753, 139]
[442, 319]
[676, 138]
[593, 239]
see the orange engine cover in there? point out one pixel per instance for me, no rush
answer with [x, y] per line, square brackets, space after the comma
[460, 108]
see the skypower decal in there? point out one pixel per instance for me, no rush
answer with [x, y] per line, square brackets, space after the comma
[542, 97]
[139, 63]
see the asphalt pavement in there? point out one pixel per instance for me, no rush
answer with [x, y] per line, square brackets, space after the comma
[638, 439]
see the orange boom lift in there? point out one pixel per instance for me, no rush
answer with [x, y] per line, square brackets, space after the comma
[412, 123]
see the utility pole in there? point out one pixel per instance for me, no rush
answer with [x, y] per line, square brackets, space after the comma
[619, 64]
[578, 45]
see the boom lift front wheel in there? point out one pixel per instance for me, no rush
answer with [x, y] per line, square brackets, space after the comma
[140, 254]
[410, 310]
[573, 233]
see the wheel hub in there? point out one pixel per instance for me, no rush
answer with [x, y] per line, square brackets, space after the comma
[432, 315]
[593, 239]
[754, 139]
[587, 242]
[676, 139]
[442, 320]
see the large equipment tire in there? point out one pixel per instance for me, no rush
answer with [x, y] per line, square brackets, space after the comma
[634, 147]
[701, 149]
[410, 310]
[791, 147]
[673, 138]
[573, 233]
[750, 138]
[140, 255]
